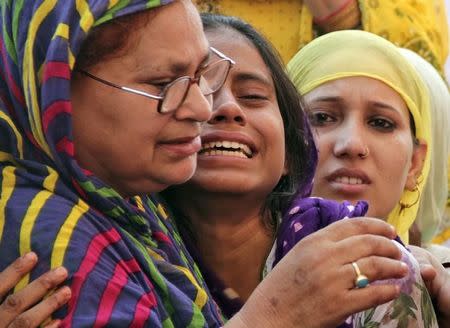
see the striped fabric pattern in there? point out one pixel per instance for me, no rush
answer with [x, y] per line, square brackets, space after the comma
[127, 264]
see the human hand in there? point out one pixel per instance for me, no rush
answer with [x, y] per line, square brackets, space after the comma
[323, 8]
[25, 308]
[437, 280]
[314, 284]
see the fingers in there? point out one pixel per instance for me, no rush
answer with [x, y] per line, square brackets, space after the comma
[376, 268]
[37, 314]
[346, 228]
[428, 272]
[19, 302]
[356, 247]
[364, 298]
[53, 324]
[15, 271]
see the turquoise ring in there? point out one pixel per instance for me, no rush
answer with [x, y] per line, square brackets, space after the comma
[361, 280]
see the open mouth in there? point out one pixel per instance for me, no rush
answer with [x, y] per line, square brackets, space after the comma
[226, 148]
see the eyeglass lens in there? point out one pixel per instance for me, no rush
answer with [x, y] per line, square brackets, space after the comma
[210, 81]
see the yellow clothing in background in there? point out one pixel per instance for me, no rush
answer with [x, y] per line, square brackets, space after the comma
[419, 25]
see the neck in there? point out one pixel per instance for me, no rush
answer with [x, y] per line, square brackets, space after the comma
[230, 236]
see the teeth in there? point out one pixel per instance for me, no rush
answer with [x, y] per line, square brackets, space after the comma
[349, 180]
[224, 153]
[247, 149]
[233, 148]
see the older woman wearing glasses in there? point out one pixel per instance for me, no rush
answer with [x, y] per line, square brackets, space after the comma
[101, 104]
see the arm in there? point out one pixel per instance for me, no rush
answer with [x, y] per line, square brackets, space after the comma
[324, 8]
[26, 307]
[419, 25]
[337, 15]
[319, 266]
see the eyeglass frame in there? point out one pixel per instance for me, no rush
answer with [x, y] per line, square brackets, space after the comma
[164, 91]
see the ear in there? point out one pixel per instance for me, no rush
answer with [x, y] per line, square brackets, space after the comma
[417, 161]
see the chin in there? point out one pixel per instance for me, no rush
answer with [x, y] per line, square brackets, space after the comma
[180, 175]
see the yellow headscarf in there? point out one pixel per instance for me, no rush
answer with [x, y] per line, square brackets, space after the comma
[358, 53]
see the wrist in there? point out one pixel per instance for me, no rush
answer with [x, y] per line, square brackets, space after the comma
[324, 11]
[346, 16]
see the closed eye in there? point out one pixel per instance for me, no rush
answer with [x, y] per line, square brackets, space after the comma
[253, 97]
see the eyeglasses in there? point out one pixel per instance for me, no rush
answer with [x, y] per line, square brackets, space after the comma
[210, 79]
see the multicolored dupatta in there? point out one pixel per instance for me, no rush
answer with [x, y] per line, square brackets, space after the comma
[127, 265]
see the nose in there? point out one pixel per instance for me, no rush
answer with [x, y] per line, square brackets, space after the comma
[226, 109]
[350, 141]
[196, 106]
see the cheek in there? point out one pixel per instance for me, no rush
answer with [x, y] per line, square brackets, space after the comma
[324, 145]
[275, 139]
[394, 158]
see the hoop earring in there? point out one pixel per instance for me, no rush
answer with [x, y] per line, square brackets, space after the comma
[365, 154]
[404, 206]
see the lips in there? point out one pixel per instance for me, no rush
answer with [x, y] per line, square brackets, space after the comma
[183, 146]
[226, 148]
[227, 144]
[349, 177]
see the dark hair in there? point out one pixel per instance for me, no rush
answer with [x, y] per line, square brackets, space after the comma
[301, 153]
[111, 39]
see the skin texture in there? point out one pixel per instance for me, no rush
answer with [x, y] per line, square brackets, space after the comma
[235, 243]
[24, 308]
[355, 116]
[246, 107]
[111, 126]
[343, 243]
[323, 8]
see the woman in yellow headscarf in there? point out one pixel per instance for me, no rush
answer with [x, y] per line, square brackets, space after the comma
[370, 113]
[419, 25]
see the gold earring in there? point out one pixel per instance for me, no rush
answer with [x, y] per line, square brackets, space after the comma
[404, 206]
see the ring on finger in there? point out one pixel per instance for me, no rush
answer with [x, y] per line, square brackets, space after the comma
[361, 280]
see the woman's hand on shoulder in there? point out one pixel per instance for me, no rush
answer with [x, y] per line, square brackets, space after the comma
[26, 308]
[314, 284]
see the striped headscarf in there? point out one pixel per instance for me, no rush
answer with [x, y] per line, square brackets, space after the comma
[359, 53]
[127, 264]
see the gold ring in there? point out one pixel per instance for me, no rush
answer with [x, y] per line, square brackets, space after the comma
[361, 280]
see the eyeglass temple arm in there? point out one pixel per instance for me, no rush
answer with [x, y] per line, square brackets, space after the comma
[221, 55]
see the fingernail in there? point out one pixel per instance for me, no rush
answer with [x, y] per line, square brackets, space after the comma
[393, 229]
[405, 267]
[60, 271]
[66, 292]
[30, 256]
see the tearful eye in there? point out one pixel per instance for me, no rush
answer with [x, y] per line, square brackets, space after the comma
[319, 118]
[382, 124]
